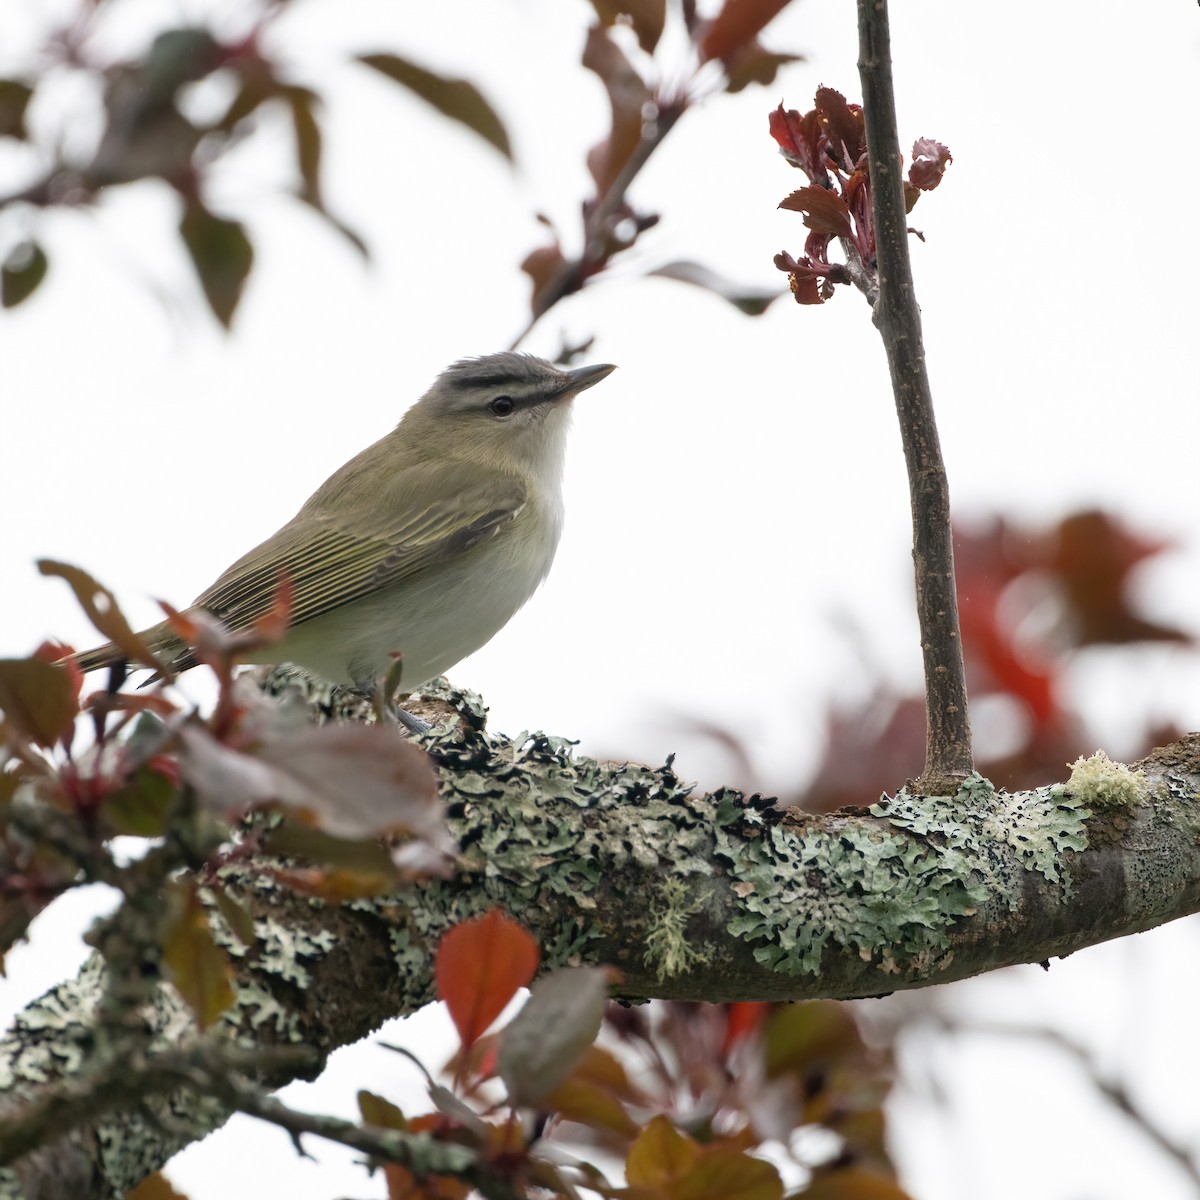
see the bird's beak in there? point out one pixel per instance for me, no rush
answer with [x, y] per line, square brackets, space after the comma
[582, 378]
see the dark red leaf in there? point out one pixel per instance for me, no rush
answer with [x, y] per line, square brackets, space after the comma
[802, 140]
[844, 122]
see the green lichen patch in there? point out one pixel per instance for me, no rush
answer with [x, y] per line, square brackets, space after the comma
[879, 893]
[976, 825]
[515, 804]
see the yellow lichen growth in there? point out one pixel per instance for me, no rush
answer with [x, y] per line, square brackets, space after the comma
[1102, 783]
[667, 950]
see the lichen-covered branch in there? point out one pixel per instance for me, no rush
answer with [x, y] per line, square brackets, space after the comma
[697, 897]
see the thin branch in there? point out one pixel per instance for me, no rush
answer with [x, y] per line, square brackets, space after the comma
[948, 757]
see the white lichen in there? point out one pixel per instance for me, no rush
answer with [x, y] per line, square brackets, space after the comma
[1104, 783]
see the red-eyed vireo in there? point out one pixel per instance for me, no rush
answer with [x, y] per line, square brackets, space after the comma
[424, 544]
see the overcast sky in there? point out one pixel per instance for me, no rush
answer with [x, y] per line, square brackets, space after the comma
[737, 512]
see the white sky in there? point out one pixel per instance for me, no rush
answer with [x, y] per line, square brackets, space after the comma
[735, 492]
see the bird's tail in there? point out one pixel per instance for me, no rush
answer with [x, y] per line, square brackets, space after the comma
[158, 638]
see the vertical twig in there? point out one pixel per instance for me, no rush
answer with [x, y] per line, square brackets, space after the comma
[948, 730]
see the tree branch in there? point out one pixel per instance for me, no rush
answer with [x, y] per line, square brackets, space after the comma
[713, 897]
[948, 757]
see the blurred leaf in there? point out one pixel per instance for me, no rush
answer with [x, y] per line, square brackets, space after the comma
[754, 63]
[595, 1094]
[743, 1019]
[14, 100]
[736, 26]
[240, 923]
[725, 1173]
[1092, 555]
[352, 236]
[559, 1021]
[101, 608]
[660, 1156]
[302, 102]
[852, 1183]
[749, 300]
[22, 272]
[454, 98]
[353, 781]
[381, 1113]
[627, 96]
[142, 806]
[367, 856]
[38, 699]
[195, 964]
[801, 1038]
[155, 1187]
[480, 965]
[222, 255]
[542, 266]
[646, 16]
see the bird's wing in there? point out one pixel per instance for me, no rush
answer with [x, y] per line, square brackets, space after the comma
[420, 516]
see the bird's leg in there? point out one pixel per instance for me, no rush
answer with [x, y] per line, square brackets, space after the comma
[383, 699]
[412, 724]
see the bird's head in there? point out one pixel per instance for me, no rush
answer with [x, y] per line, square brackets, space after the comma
[508, 411]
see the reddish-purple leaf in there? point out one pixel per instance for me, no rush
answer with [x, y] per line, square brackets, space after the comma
[479, 967]
[824, 210]
[750, 300]
[801, 139]
[929, 162]
[845, 124]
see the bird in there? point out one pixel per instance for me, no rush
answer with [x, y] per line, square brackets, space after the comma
[425, 544]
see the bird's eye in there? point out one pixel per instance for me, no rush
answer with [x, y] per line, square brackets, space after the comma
[502, 406]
